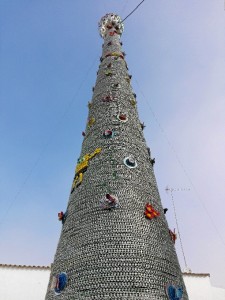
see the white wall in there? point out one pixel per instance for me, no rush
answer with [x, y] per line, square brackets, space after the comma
[30, 283]
[218, 293]
[198, 287]
[18, 283]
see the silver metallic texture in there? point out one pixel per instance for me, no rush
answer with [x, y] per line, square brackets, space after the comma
[115, 254]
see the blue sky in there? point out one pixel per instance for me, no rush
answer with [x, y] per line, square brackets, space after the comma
[49, 56]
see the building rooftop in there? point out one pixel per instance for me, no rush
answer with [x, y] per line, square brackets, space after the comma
[49, 267]
[24, 266]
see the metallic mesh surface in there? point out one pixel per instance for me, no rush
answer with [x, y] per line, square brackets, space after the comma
[115, 253]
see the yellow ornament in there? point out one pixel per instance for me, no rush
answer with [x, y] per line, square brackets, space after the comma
[133, 102]
[127, 79]
[91, 121]
[82, 166]
[116, 54]
[108, 73]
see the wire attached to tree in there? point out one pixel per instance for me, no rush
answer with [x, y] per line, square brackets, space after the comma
[133, 11]
[182, 166]
[178, 229]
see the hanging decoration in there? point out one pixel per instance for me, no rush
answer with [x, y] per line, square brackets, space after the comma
[133, 102]
[116, 54]
[108, 98]
[62, 216]
[116, 86]
[150, 212]
[108, 72]
[108, 133]
[83, 133]
[122, 117]
[174, 292]
[143, 125]
[152, 161]
[91, 122]
[173, 235]
[130, 162]
[112, 33]
[77, 181]
[109, 201]
[59, 283]
[165, 210]
[82, 165]
[127, 78]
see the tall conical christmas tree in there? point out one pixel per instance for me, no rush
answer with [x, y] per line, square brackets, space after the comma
[115, 242]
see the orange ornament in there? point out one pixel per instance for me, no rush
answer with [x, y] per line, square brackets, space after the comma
[150, 212]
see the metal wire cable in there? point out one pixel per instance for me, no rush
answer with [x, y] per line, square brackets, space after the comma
[178, 229]
[182, 166]
[132, 11]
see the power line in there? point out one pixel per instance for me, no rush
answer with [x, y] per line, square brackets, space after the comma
[133, 11]
[175, 215]
[183, 168]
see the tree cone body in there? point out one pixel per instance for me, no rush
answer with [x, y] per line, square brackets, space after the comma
[115, 253]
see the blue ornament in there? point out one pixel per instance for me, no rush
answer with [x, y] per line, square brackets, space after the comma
[179, 292]
[60, 283]
[130, 162]
[174, 292]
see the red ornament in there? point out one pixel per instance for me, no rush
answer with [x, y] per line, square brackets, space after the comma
[108, 133]
[123, 117]
[112, 33]
[150, 212]
[173, 235]
[109, 202]
[60, 216]
[107, 99]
